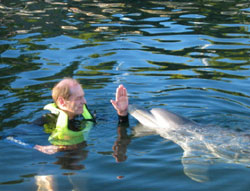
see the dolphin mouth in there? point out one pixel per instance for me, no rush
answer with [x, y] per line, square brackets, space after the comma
[146, 118]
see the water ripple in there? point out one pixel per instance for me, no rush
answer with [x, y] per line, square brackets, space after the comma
[191, 57]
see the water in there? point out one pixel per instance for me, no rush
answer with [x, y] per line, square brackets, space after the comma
[191, 57]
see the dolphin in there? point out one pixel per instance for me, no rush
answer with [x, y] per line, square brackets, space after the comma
[202, 145]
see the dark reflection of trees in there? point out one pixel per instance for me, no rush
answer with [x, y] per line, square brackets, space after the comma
[98, 21]
[52, 18]
[215, 15]
[17, 96]
[17, 65]
[164, 67]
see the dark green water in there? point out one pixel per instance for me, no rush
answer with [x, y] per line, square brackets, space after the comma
[191, 57]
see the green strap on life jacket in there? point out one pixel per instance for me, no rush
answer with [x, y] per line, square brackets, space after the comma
[86, 114]
[61, 135]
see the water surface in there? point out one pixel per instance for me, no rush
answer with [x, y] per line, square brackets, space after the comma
[191, 57]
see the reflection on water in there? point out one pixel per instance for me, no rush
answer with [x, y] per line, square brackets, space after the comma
[71, 159]
[121, 144]
[45, 183]
[191, 57]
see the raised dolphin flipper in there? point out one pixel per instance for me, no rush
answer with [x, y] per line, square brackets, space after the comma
[140, 131]
[195, 166]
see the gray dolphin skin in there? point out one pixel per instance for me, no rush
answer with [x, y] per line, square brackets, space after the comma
[202, 145]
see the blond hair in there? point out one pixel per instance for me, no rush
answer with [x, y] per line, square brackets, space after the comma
[63, 89]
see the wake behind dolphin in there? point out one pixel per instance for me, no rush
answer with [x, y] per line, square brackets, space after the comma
[201, 145]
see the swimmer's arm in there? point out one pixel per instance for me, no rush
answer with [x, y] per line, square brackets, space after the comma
[123, 120]
[52, 149]
[49, 149]
[121, 101]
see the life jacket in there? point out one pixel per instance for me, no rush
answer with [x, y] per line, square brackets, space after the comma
[62, 135]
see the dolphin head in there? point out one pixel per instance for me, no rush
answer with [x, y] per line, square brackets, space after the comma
[157, 118]
[166, 118]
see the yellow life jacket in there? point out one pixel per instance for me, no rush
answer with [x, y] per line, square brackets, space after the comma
[62, 135]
